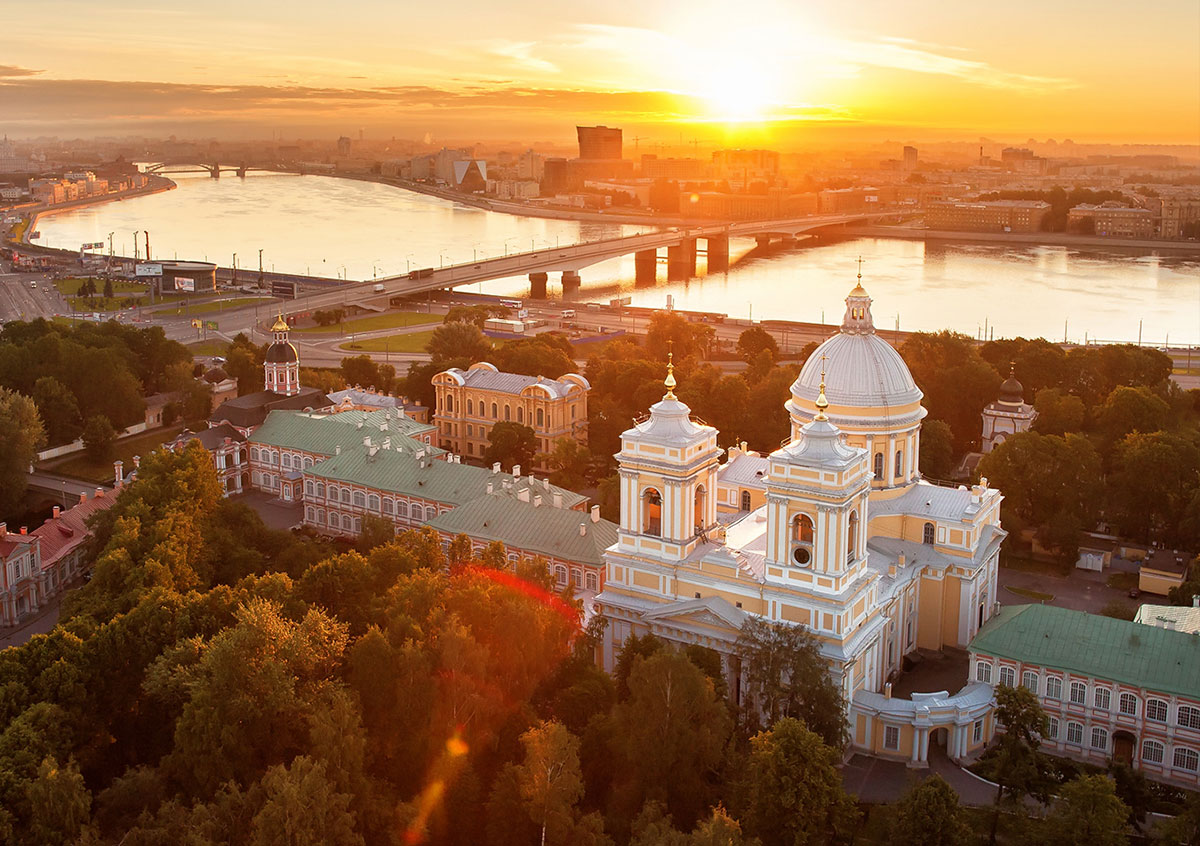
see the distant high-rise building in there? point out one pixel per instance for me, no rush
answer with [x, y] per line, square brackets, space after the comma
[910, 158]
[343, 145]
[599, 143]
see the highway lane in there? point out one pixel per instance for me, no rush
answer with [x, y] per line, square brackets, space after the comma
[20, 300]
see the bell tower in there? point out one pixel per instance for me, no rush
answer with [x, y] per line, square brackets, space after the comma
[281, 365]
[817, 490]
[668, 471]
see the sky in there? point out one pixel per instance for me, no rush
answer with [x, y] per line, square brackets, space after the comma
[666, 70]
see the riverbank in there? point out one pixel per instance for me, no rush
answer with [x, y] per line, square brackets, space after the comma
[1049, 239]
[157, 185]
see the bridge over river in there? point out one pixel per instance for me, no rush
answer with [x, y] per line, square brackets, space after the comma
[680, 244]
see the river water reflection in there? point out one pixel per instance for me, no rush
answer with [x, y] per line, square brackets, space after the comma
[339, 227]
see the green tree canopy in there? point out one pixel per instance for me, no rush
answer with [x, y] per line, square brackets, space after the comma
[511, 444]
[1057, 412]
[957, 382]
[21, 436]
[928, 814]
[1089, 813]
[452, 341]
[755, 341]
[98, 437]
[937, 450]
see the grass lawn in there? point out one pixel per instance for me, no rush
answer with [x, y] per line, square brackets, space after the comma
[69, 287]
[208, 347]
[219, 305]
[1042, 568]
[413, 342]
[1123, 581]
[80, 466]
[83, 304]
[1032, 594]
[388, 320]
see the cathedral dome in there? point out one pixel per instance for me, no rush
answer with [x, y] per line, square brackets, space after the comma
[281, 352]
[862, 371]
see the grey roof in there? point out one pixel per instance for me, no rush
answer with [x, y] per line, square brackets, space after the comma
[252, 409]
[212, 437]
[545, 530]
[745, 470]
[485, 376]
[361, 397]
[923, 499]
[436, 480]
[1096, 646]
[670, 424]
[322, 434]
[820, 445]
[1183, 618]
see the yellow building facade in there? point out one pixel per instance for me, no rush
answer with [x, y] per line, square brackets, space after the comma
[840, 534]
[470, 402]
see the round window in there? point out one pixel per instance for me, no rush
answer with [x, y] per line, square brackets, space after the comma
[801, 556]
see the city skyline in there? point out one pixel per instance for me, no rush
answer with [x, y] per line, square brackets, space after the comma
[771, 73]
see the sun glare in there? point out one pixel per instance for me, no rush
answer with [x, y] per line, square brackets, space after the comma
[737, 89]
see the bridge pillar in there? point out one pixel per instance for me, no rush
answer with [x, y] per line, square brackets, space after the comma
[215, 171]
[789, 241]
[537, 285]
[241, 171]
[571, 280]
[681, 260]
[718, 253]
[645, 266]
[763, 241]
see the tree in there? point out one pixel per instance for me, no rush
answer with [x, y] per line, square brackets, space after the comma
[1057, 412]
[755, 341]
[787, 677]
[956, 381]
[452, 341]
[98, 437]
[511, 444]
[302, 807]
[549, 779]
[360, 370]
[670, 331]
[548, 355]
[21, 436]
[1089, 813]
[793, 789]
[108, 289]
[929, 815]
[937, 450]
[670, 733]
[59, 803]
[376, 531]
[1018, 767]
[1154, 482]
[568, 462]
[244, 363]
[720, 829]
[1131, 410]
[58, 409]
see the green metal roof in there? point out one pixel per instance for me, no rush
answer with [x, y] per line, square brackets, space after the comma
[1093, 645]
[322, 434]
[545, 530]
[436, 481]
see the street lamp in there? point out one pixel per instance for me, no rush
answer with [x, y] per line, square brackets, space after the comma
[233, 280]
[408, 262]
[506, 240]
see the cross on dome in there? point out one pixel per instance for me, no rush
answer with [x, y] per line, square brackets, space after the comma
[822, 403]
[280, 324]
[670, 380]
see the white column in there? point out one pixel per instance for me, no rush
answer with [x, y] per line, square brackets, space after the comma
[916, 744]
[821, 533]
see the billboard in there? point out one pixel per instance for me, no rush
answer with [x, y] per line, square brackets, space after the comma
[97, 245]
[285, 290]
[148, 268]
[185, 283]
[210, 324]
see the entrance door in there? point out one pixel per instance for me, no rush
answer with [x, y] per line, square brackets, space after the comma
[1124, 744]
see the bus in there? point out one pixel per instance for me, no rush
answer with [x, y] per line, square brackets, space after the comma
[512, 304]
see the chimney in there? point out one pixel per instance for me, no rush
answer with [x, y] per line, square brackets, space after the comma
[99, 493]
[583, 530]
[558, 501]
[83, 497]
[387, 442]
[490, 487]
[887, 690]
[24, 530]
[118, 475]
[523, 494]
[1196, 600]
[1169, 624]
[516, 471]
[595, 513]
[137, 462]
[537, 501]
[421, 456]
[337, 450]
[496, 467]
[57, 511]
[3, 529]
[900, 559]
[366, 440]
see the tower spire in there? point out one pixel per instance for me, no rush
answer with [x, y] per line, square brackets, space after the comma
[822, 403]
[670, 380]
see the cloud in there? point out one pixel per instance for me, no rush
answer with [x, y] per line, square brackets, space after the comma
[521, 54]
[13, 71]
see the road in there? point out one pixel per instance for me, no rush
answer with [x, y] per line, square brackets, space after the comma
[20, 300]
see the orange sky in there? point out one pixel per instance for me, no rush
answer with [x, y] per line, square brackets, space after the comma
[781, 72]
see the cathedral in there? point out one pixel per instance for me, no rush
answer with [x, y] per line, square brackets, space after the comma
[850, 542]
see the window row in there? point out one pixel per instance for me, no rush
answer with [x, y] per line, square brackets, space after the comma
[1186, 716]
[286, 460]
[577, 576]
[480, 407]
[335, 521]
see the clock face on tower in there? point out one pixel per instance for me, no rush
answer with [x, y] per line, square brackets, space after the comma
[801, 556]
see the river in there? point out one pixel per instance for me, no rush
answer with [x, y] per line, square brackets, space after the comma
[337, 227]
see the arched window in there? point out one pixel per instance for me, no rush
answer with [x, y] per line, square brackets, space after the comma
[495, 413]
[310, 514]
[373, 502]
[560, 574]
[357, 525]
[388, 506]
[701, 517]
[333, 519]
[286, 461]
[430, 512]
[852, 537]
[507, 412]
[593, 583]
[927, 535]
[1152, 752]
[402, 510]
[360, 499]
[346, 495]
[520, 414]
[541, 418]
[899, 464]
[449, 402]
[651, 512]
[745, 500]
[879, 465]
[309, 489]
[802, 538]
[577, 577]
[254, 453]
